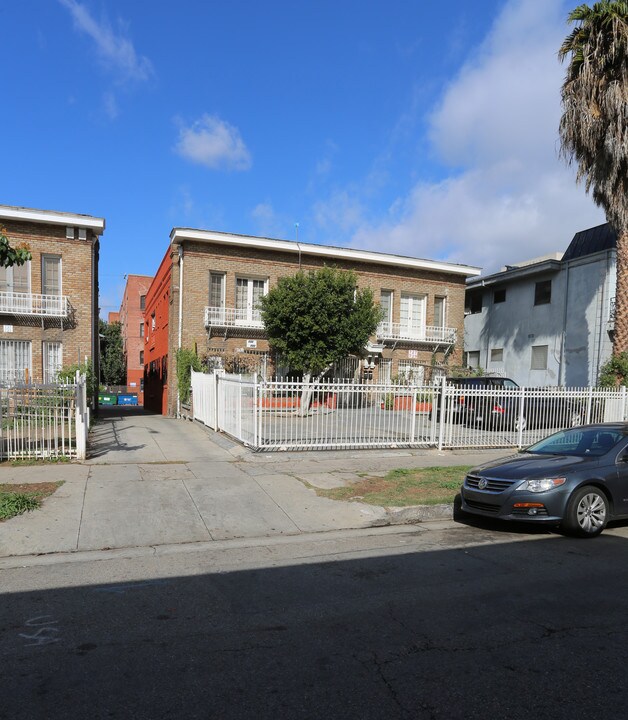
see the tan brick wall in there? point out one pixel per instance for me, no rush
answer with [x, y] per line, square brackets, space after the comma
[77, 273]
[200, 259]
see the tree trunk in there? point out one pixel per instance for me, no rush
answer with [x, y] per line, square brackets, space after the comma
[308, 391]
[620, 336]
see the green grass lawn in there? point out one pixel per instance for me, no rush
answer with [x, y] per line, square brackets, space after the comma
[17, 499]
[403, 487]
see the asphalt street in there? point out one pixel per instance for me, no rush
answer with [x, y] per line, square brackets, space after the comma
[441, 620]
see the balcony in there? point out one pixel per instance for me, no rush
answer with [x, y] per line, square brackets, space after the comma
[33, 305]
[397, 332]
[216, 317]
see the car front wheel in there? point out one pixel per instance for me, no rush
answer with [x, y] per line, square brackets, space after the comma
[587, 512]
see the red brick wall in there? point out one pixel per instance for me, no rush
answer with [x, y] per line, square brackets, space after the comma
[131, 316]
[156, 340]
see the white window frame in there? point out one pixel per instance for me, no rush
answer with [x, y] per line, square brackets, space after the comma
[391, 294]
[50, 375]
[10, 278]
[443, 298]
[9, 373]
[414, 325]
[251, 312]
[412, 371]
[51, 256]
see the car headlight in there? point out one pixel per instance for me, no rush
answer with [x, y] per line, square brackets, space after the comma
[542, 484]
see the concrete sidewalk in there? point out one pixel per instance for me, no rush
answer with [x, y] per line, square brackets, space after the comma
[156, 481]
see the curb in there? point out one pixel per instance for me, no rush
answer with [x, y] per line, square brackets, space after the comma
[419, 513]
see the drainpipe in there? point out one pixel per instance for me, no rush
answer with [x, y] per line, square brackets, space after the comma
[561, 372]
[180, 315]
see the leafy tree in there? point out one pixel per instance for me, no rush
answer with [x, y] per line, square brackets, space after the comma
[315, 319]
[614, 372]
[112, 360]
[594, 125]
[9, 255]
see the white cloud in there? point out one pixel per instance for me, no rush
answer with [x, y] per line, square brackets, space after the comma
[509, 197]
[115, 50]
[214, 143]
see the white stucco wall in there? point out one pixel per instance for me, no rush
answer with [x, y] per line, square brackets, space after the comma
[576, 316]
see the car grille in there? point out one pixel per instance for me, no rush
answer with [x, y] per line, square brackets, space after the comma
[495, 485]
[486, 507]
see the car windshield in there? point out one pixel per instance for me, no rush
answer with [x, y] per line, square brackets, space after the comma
[581, 442]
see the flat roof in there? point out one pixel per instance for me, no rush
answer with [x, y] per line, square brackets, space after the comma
[53, 217]
[514, 273]
[179, 235]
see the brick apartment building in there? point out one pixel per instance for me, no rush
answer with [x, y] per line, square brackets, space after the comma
[156, 336]
[215, 281]
[49, 305]
[131, 319]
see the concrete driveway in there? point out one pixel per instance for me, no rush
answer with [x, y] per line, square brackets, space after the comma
[152, 481]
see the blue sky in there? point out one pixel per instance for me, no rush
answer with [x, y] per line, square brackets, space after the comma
[390, 126]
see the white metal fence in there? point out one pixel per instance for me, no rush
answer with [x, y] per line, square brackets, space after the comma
[336, 415]
[44, 421]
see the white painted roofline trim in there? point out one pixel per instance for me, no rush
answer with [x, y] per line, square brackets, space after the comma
[52, 217]
[180, 235]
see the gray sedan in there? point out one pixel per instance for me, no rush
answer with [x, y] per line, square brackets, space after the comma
[576, 478]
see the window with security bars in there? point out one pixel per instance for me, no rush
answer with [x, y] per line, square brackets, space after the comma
[411, 371]
[15, 361]
[53, 360]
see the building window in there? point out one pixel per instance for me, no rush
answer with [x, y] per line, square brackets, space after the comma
[473, 359]
[473, 302]
[440, 308]
[412, 315]
[15, 361]
[51, 275]
[82, 234]
[386, 304]
[499, 296]
[217, 290]
[141, 384]
[539, 357]
[69, 233]
[141, 357]
[142, 302]
[152, 321]
[16, 279]
[249, 292]
[411, 371]
[497, 355]
[141, 329]
[385, 371]
[52, 353]
[543, 292]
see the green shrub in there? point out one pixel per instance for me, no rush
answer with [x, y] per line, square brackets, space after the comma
[187, 360]
[614, 372]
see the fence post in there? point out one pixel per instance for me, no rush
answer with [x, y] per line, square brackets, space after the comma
[623, 402]
[441, 429]
[215, 401]
[1, 434]
[520, 433]
[589, 403]
[255, 411]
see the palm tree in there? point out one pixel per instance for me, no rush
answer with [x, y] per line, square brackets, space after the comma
[594, 125]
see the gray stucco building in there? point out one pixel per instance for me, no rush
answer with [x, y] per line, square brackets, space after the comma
[547, 321]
